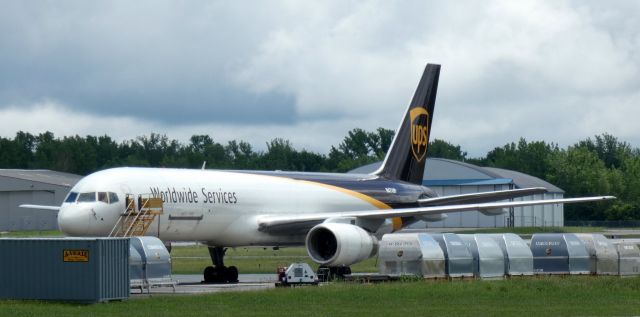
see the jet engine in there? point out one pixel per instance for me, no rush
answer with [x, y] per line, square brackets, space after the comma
[494, 211]
[432, 218]
[340, 244]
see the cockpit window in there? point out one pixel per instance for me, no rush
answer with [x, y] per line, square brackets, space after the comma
[113, 198]
[102, 196]
[71, 198]
[87, 197]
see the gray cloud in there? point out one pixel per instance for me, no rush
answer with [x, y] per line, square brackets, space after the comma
[166, 61]
[553, 70]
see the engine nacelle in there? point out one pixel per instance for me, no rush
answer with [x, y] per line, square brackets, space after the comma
[494, 211]
[340, 244]
[432, 218]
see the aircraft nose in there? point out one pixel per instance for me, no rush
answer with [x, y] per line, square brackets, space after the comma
[74, 221]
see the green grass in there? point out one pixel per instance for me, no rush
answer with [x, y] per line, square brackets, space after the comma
[31, 234]
[193, 259]
[545, 296]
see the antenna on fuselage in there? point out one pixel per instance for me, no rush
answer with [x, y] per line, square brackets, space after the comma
[204, 164]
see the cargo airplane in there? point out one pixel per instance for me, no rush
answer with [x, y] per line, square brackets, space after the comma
[338, 217]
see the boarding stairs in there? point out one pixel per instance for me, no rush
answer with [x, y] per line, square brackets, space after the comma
[136, 221]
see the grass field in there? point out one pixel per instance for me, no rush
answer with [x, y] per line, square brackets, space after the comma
[545, 296]
[31, 234]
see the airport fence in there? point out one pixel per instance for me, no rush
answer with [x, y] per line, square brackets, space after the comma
[604, 223]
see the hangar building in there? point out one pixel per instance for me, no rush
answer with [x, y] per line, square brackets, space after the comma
[449, 177]
[40, 187]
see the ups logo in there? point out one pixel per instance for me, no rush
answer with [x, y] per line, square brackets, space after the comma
[419, 118]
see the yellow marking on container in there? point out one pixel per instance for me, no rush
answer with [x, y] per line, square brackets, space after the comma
[75, 255]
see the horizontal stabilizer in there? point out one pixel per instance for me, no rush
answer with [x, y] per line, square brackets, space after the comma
[44, 207]
[483, 197]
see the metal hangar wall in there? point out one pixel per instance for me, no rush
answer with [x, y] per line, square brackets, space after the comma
[40, 187]
[449, 177]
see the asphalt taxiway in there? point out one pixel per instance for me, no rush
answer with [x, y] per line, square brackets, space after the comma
[192, 284]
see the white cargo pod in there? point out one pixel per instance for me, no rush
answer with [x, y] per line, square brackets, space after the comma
[411, 254]
[136, 268]
[629, 254]
[602, 252]
[488, 259]
[559, 253]
[157, 261]
[518, 259]
[459, 261]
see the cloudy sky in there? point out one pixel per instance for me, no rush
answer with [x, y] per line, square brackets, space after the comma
[559, 71]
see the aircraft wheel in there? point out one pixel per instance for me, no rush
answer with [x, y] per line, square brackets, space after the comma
[231, 274]
[209, 274]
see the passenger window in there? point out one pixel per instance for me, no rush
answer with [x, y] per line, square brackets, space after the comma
[102, 196]
[71, 198]
[113, 198]
[87, 197]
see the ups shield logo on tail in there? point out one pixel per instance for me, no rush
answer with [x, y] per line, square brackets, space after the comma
[419, 118]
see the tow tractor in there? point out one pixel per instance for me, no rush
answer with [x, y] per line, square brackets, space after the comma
[296, 274]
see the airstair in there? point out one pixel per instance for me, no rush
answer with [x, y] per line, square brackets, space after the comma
[136, 221]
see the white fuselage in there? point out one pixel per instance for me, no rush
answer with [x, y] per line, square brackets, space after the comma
[218, 207]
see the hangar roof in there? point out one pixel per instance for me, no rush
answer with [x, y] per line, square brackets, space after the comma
[42, 176]
[445, 172]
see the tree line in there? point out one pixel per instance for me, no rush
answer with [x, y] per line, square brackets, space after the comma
[601, 165]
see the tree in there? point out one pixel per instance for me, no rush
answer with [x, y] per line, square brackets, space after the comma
[527, 157]
[280, 155]
[611, 151]
[580, 172]
[443, 149]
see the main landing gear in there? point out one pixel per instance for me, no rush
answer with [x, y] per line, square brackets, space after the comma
[219, 273]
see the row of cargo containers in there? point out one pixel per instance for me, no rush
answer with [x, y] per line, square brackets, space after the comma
[498, 255]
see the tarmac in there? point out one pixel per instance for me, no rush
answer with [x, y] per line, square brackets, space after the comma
[192, 284]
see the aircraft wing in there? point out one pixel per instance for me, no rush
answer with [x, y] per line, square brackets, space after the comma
[296, 224]
[481, 197]
[55, 208]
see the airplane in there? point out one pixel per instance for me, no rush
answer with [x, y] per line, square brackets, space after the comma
[339, 218]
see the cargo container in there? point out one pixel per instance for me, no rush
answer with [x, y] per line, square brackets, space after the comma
[629, 259]
[156, 260]
[518, 259]
[459, 261]
[602, 252]
[136, 269]
[411, 254]
[559, 253]
[85, 270]
[488, 259]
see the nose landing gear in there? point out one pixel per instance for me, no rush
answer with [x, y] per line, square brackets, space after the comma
[219, 274]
